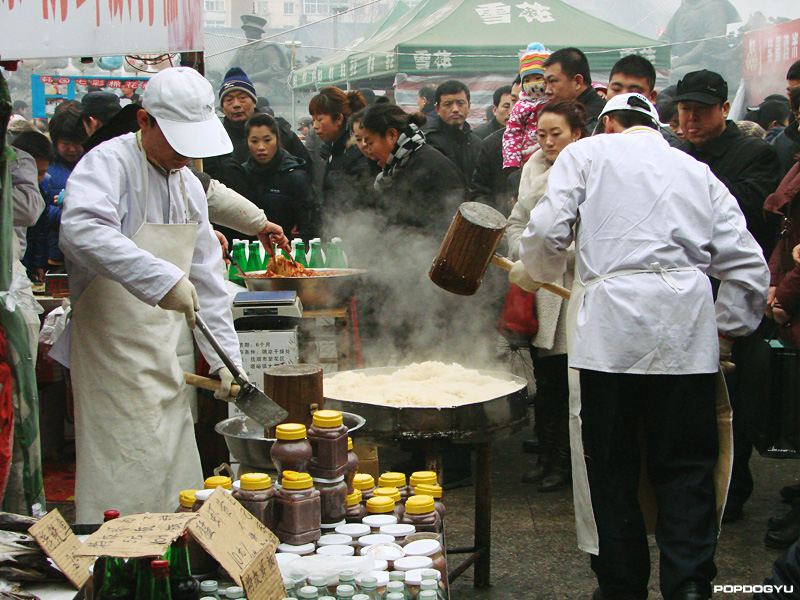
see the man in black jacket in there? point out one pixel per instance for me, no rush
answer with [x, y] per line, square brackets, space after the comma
[787, 143]
[567, 75]
[104, 119]
[450, 134]
[238, 99]
[501, 110]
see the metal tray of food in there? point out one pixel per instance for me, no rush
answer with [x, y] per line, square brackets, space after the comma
[475, 422]
[246, 441]
[327, 291]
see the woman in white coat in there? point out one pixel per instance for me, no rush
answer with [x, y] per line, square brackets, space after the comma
[560, 123]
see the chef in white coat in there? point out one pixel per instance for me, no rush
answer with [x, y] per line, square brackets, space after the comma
[142, 257]
[650, 225]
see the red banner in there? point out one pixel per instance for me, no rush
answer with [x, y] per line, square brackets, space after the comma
[771, 50]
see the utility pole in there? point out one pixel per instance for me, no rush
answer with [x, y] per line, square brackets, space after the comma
[293, 44]
[336, 10]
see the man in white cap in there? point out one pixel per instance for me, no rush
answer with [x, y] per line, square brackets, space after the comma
[141, 257]
[650, 225]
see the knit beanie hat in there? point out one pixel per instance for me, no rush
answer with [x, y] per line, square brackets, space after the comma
[236, 79]
[531, 61]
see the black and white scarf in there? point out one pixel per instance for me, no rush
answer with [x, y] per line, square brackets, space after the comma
[411, 139]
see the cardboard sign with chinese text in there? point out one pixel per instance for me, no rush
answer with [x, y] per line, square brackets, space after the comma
[59, 543]
[148, 534]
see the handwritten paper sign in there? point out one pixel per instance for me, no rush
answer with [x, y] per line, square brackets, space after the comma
[236, 539]
[148, 534]
[59, 543]
[262, 579]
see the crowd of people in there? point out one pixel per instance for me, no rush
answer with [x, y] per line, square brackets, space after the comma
[698, 207]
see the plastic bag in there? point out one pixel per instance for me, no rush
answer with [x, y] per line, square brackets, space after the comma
[18, 294]
[54, 324]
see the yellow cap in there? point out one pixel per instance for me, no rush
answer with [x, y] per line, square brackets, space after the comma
[396, 480]
[292, 480]
[187, 498]
[428, 490]
[213, 483]
[354, 498]
[363, 481]
[389, 492]
[380, 504]
[290, 431]
[255, 481]
[423, 477]
[417, 505]
[328, 418]
[349, 443]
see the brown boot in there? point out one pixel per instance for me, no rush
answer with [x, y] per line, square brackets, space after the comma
[540, 467]
[560, 474]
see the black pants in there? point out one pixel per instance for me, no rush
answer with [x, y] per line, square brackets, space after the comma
[551, 407]
[678, 416]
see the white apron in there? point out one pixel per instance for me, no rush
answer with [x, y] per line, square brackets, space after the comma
[585, 524]
[136, 447]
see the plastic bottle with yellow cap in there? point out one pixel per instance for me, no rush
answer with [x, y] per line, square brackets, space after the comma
[256, 494]
[185, 501]
[328, 437]
[352, 466]
[421, 513]
[382, 505]
[365, 483]
[291, 450]
[395, 480]
[296, 508]
[355, 509]
[394, 494]
[436, 492]
[423, 478]
[216, 481]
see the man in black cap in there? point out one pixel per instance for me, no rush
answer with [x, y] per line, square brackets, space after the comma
[104, 119]
[750, 169]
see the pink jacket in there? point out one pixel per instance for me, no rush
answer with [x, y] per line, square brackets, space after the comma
[519, 138]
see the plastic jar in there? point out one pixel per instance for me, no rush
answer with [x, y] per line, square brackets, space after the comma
[372, 539]
[394, 494]
[216, 481]
[431, 549]
[435, 491]
[355, 509]
[297, 509]
[328, 437]
[336, 551]
[335, 539]
[387, 552]
[423, 478]
[366, 484]
[395, 480]
[352, 466]
[185, 501]
[410, 563]
[299, 549]
[421, 513]
[399, 532]
[255, 494]
[333, 499]
[381, 505]
[376, 521]
[291, 450]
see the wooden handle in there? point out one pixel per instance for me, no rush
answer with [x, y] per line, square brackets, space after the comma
[210, 384]
[505, 263]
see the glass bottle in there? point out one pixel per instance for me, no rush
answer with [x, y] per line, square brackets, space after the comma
[308, 592]
[100, 563]
[240, 257]
[114, 586]
[182, 585]
[399, 588]
[288, 585]
[348, 577]
[317, 258]
[345, 592]
[209, 589]
[369, 587]
[144, 579]
[234, 592]
[160, 573]
[395, 596]
[254, 258]
[341, 257]
[300, 254]
[320, 582]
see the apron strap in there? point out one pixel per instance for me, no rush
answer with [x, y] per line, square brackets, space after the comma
[654, 268]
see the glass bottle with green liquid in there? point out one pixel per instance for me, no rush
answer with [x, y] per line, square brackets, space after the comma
[254, 258]
[240, 258]
[317, 259]
[300, 254]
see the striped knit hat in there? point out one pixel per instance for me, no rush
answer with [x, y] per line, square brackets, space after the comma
[531, 61]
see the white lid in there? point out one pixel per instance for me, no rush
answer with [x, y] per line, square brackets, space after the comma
[409, 563]
[379, 520]
[384, 551]
[321, 480]
[332, 526]
[375, 538]
[236, 485]
[284, 558]
[431, 574]
[354, 530]
[334, 539]
[203, 495]
[423, 548]
[398, 530]
[302, 549]
[415, 576]
[336, 551]
[380, 564]
[234, 592]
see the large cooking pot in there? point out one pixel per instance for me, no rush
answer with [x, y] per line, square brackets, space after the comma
[329, 291]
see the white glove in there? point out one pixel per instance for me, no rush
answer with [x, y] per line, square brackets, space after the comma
[182, 298]
[519, 276]
[226, 380]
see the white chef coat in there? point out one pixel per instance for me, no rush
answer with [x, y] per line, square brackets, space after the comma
[104, 206]
[635, 202]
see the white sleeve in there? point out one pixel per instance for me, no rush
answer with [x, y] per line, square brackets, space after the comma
[738, 262]
[544, 243]
[97, 194]
[206, 276]
[27, 200]
[230, 209]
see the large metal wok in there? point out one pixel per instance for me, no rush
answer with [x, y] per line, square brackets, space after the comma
[330, 291]
[471, 423]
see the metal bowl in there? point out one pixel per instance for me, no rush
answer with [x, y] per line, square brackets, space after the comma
[330, 291]
[246, 441]
[475, 422]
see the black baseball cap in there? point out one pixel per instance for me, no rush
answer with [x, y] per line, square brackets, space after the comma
[706, 87]
[101, 105]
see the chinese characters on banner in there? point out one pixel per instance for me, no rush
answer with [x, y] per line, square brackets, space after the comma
[48, 91]
[768, 54]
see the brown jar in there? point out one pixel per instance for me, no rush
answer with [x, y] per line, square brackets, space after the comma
[212, 483]
[328, 438]
[352, 466]
[297, 509]
[333, 499]
[382, 505]
[421, 513]
[436, 492]
[255, 494]
[433, 550]
[291, 450]
[422, 478]
[366, 485]
[355, 510]
[185, 501]
[394, 494]
[395, 480]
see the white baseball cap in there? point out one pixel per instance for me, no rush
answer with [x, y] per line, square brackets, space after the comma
[633, 101]
[182, 102]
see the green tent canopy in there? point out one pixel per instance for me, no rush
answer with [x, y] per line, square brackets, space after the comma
[477, 37]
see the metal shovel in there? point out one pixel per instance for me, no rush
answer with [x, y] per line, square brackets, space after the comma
[250, 400]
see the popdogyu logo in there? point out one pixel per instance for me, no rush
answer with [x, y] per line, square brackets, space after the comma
[754, 589]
